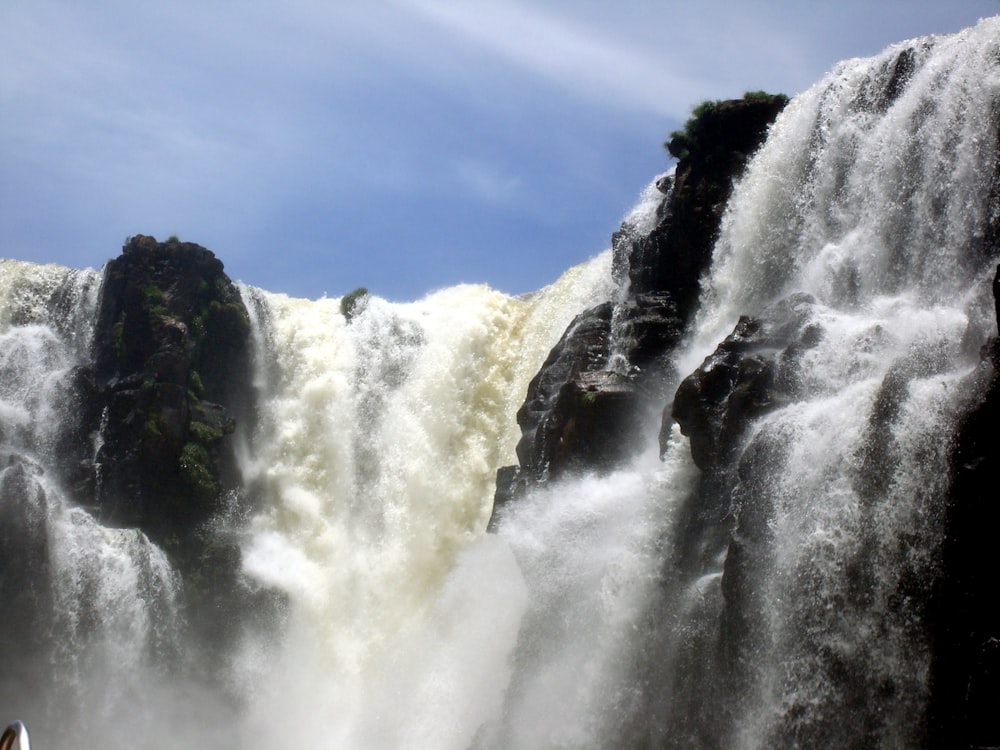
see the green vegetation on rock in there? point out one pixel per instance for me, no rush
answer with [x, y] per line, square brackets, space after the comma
[205, 434]
[353, 302]
[196, 470]
[693, 138]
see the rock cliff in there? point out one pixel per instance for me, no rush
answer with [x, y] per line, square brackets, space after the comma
[601, 382]
[593, 396]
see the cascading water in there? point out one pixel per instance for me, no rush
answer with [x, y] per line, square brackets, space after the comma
[866, 212]
[377, 451]
[873, 195]
[639, 222]
[112, 592]
[858, 243]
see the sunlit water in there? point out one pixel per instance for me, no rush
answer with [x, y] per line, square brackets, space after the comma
[373, 459]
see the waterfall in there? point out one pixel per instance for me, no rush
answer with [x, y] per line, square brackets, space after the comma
[863, 219]
[112, 594]
[767, 591]
[377, 450]
[871, 199]
[639, 222]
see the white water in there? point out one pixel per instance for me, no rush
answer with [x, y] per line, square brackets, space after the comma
[418, 632]
[114, 593]
[374, 455]
[879, 216]
[377, 452]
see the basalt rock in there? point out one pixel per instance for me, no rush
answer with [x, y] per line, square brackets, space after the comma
[25, 580]
[725, 521]
[545, 416]
[587, 406]
[170, 365]
[169, 380]
[584, 347]
[753, 371]
[965, 624]
[712, 153]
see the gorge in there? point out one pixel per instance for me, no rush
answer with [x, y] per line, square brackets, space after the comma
[729, 484]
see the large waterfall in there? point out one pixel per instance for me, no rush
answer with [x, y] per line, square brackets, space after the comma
[855, 258]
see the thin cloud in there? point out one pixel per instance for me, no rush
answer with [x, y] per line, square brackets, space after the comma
[572, 55]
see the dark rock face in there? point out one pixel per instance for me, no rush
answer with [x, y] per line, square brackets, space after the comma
[585, 346]
[170, 368]
[672, 257]
[882, 89]
[145, 444]
[585, 407]
[169, 381]
[754, 370]
[25, 582]
[581, 410]
[965, 624]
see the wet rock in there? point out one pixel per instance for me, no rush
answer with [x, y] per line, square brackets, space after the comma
[169, 381]
[170, 344]
[584, 347]
[963, 618]
[586, 408]
[25, 582]
[712, 153]
[751, 372]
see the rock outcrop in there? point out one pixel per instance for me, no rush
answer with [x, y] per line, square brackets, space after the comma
[754, 370]
[600, 384]
[712, 151]
[170, 372]
[25, 580]
[168, 383]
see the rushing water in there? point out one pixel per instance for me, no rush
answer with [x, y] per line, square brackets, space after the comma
[113, 593]
[373, 457]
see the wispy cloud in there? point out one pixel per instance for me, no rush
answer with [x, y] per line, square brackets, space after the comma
[553, 46]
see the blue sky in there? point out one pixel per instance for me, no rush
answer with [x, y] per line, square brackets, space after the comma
[402, 145]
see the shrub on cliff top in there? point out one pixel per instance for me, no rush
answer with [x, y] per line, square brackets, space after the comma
[690, 138]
